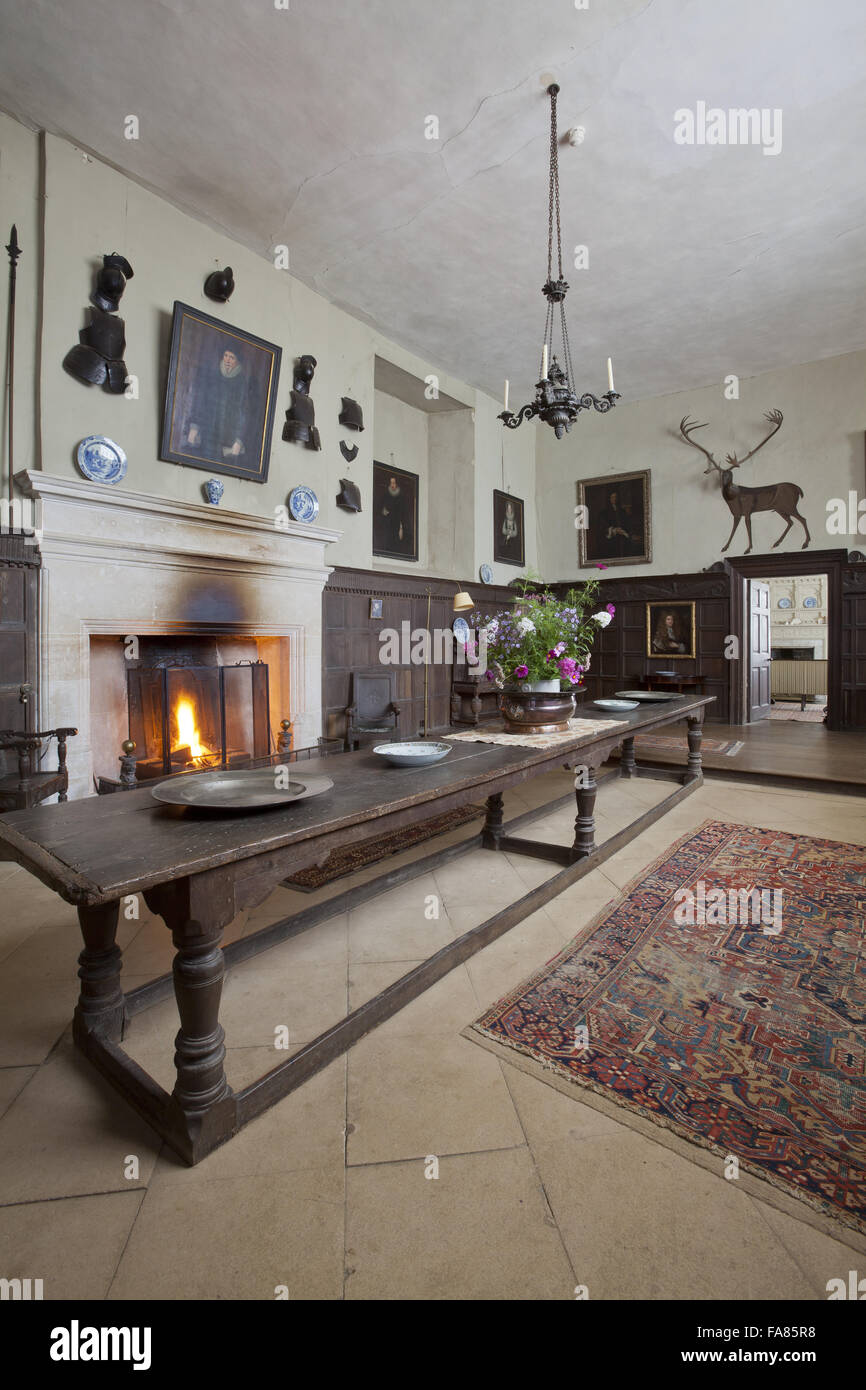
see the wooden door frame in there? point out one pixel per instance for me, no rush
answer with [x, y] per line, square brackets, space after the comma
[743, 567]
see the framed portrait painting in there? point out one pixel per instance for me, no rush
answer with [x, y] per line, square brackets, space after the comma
[670, 631]
[614, 519]
[220, 398]
[508, 536]
[395, 512]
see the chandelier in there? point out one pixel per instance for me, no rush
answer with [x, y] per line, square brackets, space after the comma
[555, 400]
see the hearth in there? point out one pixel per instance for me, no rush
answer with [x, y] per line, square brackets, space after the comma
[185, 717]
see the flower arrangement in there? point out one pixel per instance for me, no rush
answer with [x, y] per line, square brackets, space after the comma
[544, 637]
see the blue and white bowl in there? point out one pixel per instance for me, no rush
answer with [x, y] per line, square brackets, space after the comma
[413, 754]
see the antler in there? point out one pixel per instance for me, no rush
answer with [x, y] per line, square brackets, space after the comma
[775, 418]
[686, 428]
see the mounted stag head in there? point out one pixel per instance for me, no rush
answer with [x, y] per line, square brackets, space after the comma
[781, 498]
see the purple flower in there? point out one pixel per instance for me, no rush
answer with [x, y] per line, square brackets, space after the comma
[489, 675]
[521, 672]
[602, 567]
[611, 609]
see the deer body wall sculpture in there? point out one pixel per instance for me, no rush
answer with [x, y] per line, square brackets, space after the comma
[781, 498]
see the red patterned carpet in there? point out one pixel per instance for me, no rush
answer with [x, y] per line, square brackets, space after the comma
[741, 1032]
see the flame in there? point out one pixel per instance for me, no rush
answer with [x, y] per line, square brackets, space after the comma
[187, 733]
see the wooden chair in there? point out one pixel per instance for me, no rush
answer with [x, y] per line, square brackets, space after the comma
[19, 791]
[374, 709]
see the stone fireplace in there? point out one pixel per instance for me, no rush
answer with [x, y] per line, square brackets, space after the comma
[228, 587]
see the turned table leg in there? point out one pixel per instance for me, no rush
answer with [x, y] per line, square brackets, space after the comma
[100, 1003]
[694, 771]
[200, 1051]
[626, 758]
[491, 834]
[584, 825]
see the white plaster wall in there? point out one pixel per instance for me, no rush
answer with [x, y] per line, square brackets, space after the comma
[90, 208]
[452, 492]
[820, 446]
[506, 460]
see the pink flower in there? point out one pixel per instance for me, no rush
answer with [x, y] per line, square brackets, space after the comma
[611, 609]
[521, 672]
[602, 567]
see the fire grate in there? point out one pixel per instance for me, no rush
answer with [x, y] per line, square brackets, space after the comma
[185, 718]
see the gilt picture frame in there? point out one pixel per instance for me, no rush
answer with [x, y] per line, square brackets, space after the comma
[614, 519]
[221, 396]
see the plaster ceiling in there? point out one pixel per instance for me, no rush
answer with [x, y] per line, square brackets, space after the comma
[306, 126]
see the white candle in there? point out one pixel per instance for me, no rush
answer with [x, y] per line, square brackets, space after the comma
[609, 375]
[544, 360]
[506, 393]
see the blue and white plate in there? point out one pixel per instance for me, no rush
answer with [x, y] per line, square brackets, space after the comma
[486, 574]
[101, 460]
[460, 628]
[303, 504]
[810, 602]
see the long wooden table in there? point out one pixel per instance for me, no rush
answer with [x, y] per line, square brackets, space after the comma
[199, 870]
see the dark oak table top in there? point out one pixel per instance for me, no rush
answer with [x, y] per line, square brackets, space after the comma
[101, 848]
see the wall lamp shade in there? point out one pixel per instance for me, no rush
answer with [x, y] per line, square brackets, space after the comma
[462, 601]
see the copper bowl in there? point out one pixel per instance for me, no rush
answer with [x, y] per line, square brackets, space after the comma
[537, 711]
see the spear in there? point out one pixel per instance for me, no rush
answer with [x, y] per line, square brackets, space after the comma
[14, 252]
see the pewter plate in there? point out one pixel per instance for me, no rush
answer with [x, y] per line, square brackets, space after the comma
[246, 789]
[650, 696]
[413, 754]
[616, 704]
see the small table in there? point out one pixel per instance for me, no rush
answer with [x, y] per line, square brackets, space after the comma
[659, 680]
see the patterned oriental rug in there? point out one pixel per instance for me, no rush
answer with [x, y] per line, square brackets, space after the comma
[667, 743]
[341, 862]
[741, 1037]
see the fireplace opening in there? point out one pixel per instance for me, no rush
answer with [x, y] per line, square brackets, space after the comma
[190, 718]
[190, 701]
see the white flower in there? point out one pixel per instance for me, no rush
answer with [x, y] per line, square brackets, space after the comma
[527, 625]
[492, 629]
[601, 618]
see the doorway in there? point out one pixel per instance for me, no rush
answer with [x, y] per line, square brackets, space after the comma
[790, 648]
[768, 592]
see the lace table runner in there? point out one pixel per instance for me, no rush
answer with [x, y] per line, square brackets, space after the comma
[577, 728]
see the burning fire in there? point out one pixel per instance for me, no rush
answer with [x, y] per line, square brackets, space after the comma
[187, 733]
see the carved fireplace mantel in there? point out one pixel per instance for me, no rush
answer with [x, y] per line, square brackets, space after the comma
[123, 562]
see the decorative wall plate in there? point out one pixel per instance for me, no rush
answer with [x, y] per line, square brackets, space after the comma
[810, 602]
[784, 603]
[460, 628]
[486, 574]
[303, 504]
[101, 460]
